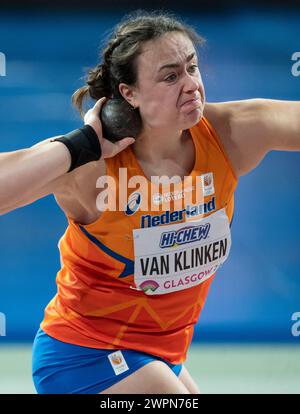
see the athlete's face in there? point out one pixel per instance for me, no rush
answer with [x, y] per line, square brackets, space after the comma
[168, 77]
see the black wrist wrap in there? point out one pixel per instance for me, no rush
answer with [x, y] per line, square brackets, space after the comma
[83, 144]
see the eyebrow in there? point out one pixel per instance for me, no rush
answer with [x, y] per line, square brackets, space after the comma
[176, 65]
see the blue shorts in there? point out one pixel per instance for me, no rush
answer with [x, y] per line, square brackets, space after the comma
[62, 368]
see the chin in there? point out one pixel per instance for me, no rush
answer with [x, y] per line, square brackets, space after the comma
[192, 118]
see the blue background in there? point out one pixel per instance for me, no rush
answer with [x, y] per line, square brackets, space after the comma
[248, 54]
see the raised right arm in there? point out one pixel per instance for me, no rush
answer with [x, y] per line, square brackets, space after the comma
[31, 173]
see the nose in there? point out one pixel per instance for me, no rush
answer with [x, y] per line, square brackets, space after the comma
[192, 83]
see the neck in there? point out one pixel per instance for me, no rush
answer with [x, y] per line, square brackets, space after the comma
[154, 145]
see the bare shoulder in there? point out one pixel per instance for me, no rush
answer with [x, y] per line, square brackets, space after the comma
[238, 125]
[227, 116]
[218, 114]
[236, 108]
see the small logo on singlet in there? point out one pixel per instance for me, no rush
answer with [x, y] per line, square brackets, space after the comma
[149, 286]
[118, 362]
[133, 203]
[159, 198]
[208, 184]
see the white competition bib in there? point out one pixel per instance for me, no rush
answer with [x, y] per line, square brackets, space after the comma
[179, 256]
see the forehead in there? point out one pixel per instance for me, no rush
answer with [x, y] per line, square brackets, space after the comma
[169, 48]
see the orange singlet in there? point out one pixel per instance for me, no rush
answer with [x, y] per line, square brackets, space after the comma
[138, 279]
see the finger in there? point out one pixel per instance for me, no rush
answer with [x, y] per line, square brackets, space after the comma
[96, 108]
[122, 144]
[86, 115]
[125, 142]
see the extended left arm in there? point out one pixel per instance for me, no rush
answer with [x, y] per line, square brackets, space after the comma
[279, 124]
[251, 128]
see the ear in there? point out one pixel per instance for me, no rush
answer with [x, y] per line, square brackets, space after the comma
[128, 93]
